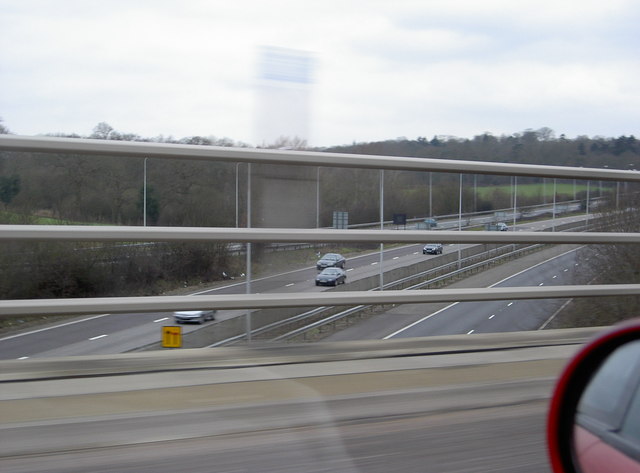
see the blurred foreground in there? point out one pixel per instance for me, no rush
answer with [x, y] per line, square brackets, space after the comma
[443, 404]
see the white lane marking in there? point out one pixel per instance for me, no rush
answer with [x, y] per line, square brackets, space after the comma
[55, 326]
[470, 332]
[23, 358]
[396, 257]
[416, 253]
[374, 263]
[536, 265]
[509, 304]
[419, 321]
[162, 319]
[350, 269]
[554, 314]
[493, 285]
[492, 316]
[566, 269]
[99, 336]
[290, 284]
[541, 284]
[554, 277]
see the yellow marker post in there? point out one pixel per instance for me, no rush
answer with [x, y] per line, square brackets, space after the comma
[171, 336]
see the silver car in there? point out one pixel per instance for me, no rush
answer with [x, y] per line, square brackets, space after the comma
[193, 316]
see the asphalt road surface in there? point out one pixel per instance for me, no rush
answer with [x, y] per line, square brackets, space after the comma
[553, 266]
[501, 316]
[507, 440]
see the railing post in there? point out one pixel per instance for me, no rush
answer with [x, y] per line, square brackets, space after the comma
[381, 228]
[144, 194]
[460, 221]
[248, 270]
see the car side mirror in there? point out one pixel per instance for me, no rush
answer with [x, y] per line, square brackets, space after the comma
[593, 423]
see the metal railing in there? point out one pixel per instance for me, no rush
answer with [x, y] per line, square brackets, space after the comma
[296, 235]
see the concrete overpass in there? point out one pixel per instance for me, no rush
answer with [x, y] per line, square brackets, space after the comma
[345, 406]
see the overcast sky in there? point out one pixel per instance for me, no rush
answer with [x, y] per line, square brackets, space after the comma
[378, 69]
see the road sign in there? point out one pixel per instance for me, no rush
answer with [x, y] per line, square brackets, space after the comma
[340, 219]
[171, 336]
[399, 219]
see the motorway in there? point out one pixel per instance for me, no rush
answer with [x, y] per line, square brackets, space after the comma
[118, 333]
[553, 266]
[502, 316]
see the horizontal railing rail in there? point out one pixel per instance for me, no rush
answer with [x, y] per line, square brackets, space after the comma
[281, 300]
[301, 158]
[290, 235]
[301, 235]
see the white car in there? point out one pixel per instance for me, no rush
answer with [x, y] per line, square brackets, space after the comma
[195, 316]
[503, 227]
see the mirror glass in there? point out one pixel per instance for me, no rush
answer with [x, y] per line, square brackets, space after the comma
[607, 429]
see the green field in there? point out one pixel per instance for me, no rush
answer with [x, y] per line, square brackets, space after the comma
[10, 218]
[533, 190]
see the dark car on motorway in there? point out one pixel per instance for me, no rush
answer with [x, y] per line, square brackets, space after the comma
[331, 260]
[432, 249]
[331, 277]
[193, 316]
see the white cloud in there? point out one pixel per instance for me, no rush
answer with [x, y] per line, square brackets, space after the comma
[384, 69]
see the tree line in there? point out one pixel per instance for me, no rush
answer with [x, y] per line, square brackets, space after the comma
[110, 190]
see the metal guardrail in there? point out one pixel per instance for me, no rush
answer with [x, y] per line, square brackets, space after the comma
[486, 259]
[354, 310]
[437, 280]
[301, 158]
[298, 235]
[342, 314]
[304, 158]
